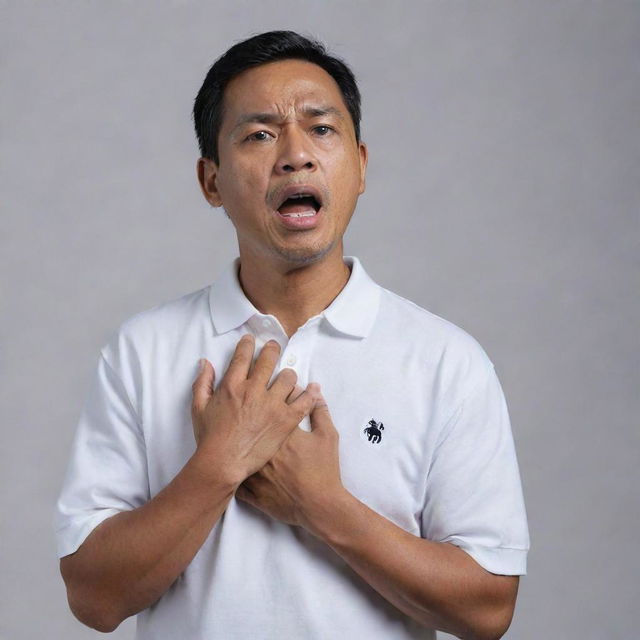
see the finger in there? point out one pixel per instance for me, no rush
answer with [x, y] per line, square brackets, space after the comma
[238, 369]
[320, 417]
[295, 392]
[203, 386]
[242, 493]
[304, 403]
[265, 363]
[284, 383]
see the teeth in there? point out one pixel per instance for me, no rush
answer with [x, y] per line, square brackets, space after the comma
[297, 215]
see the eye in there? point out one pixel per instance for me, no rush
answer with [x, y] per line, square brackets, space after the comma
[259, 136]
[322, 130]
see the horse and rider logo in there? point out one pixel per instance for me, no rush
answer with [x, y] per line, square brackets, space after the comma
[374, 431]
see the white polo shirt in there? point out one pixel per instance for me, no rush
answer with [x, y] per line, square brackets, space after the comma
[425, 441]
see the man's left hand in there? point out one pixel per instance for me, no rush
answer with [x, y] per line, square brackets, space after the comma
[300, 482]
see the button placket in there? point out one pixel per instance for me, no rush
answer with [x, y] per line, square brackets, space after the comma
[297, 352]
[267, 328]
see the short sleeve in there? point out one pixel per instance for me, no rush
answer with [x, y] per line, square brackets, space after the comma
[474, 494]
[107, 471]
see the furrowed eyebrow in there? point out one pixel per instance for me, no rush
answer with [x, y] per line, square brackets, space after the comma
[317, 112]
[263, 118]
[270, 118]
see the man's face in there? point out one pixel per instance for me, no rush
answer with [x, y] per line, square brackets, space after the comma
[286, 131]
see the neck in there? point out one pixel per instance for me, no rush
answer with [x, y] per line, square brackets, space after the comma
[294, 294]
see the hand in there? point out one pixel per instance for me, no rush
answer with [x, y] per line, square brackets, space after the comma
[302, 480]
[242, 424]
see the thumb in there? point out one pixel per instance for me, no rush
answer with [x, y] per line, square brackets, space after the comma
[320, 417]
[203, 386]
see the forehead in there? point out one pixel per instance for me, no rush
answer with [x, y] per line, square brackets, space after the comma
[283, 86]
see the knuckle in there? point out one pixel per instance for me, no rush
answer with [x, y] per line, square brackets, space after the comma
[236, 358]
[297, 413]
[226, 387]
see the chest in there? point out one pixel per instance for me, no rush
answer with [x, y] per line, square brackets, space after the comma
[383, 405]
[383, 402]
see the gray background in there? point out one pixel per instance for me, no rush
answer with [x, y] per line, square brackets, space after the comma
[502, 194]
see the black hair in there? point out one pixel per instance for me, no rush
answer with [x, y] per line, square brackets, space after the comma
[260, 49]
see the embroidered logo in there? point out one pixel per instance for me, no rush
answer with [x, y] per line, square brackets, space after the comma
[374, 431]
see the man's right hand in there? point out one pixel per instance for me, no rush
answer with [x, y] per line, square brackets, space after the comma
[242, 424]
[130, 559]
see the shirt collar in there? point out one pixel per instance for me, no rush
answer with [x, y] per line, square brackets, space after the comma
[352, 312]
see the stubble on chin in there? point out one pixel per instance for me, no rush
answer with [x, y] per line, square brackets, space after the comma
[303, 256]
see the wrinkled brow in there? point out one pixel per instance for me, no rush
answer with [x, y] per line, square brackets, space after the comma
[271, 118]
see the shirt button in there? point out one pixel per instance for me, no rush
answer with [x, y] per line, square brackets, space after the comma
[291, 360]
[266, 323]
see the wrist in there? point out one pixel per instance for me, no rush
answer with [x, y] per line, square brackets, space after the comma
[214, 471]
[324, 517]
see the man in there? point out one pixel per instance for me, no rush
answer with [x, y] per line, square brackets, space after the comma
[344, 463]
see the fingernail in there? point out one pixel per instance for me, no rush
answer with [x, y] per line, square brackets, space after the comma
[201, 365]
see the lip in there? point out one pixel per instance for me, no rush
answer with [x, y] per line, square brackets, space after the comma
[300, 224]
[293, 189]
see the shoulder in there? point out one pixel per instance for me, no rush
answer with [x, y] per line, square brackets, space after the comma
[459, 358]
[158, 326]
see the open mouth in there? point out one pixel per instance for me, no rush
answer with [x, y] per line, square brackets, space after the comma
[300, 203]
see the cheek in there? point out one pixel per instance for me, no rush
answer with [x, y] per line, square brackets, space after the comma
[348, 184]
[240, 184]
[347, 171]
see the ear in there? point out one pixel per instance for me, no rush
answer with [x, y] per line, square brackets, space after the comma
[364, 157]
[207, 171]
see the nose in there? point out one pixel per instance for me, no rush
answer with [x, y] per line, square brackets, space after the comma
[295, 152]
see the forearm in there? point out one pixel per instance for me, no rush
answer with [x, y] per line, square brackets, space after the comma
[130, 560]
[437, 584]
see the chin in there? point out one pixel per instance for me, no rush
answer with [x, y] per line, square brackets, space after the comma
[302, 256]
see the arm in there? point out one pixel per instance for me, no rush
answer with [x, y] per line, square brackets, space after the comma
[133, 557]
[437, 584]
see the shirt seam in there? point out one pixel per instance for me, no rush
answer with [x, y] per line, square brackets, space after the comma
[126, 393]
[455, 413]
[71, 521]
[484, 546]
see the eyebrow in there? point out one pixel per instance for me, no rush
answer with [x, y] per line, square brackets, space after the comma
[270, 118]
